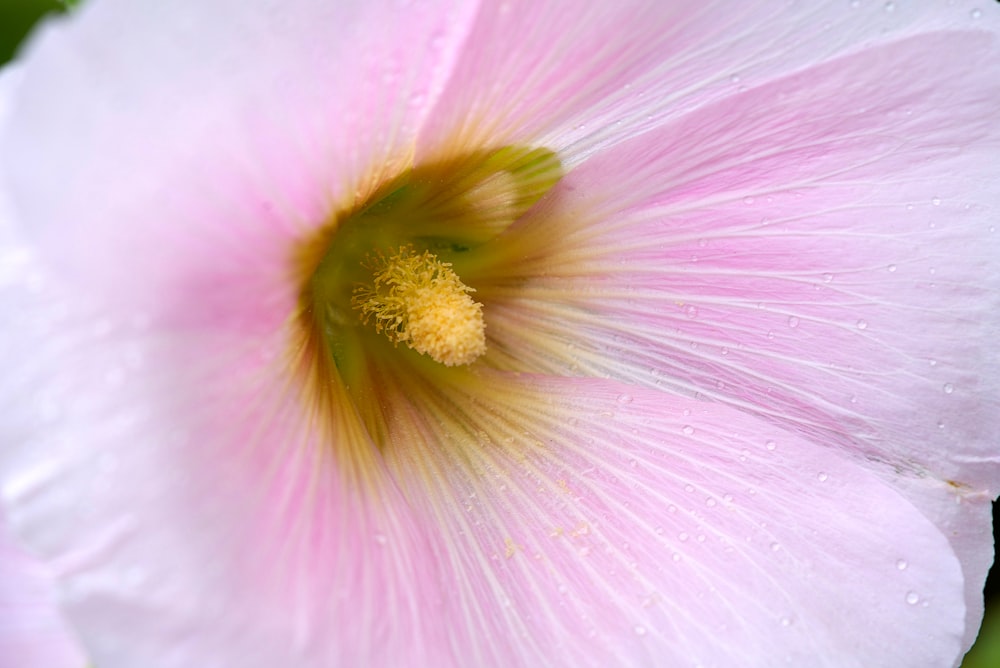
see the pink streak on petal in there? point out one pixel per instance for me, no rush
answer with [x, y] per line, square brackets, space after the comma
[602, 524]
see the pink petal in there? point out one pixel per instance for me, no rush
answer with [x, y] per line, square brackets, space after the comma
[215, 133]
[607, 525]
[32, 632]
[191, 506]
[32, 629]
[580, 79]
[821, 250]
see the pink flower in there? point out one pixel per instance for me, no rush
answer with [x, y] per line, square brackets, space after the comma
[714, 383]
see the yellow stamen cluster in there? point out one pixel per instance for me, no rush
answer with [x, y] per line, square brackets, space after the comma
[418, 300]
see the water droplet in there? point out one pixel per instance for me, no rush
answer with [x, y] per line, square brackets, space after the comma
[822, 476]
[639, 629]
[770, 333]
[658, 531]
[724, 351]
[728, 498]
[683, 536]
[748, 200]
[912, 597]
[948, 388]
[675, 556]
[770, 445]
[901, 564]
[775, 547]
[380, 538]
[890, 7]
[687, 429]
[710, 502]
[862, 324]
[891, 268]
[744, 454]
[793, 322]
[976, 14]
[827, 278]
[936, 201]
[691, 311]
[671, 508]
[624, 398]
[689, 488]
[786, 621]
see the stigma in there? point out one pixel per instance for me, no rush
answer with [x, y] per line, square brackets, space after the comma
[416, 299]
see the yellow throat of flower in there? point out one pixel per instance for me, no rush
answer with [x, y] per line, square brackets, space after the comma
[402, 266]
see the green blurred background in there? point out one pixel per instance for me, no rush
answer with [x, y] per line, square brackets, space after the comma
[17, 17]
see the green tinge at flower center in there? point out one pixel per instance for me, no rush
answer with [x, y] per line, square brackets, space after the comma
[392, 268]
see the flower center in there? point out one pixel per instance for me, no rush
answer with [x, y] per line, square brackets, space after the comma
[401, 266]
[418, 300]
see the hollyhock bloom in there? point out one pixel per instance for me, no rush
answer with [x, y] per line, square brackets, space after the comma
[507, 333]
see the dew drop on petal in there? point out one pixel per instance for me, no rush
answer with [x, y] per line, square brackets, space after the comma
[639, 629]
[775, 547]
[912, 597]
[901, 564]
[890, 6]
[891, 268]
[770, 445]
[793, 322]
[624, 398]
[976, 14]
[862, 324]
[936, 201]
[786, 621]
[682, 536]
[691, 311]
[948, 388]
[822, 477]
[687, 429]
